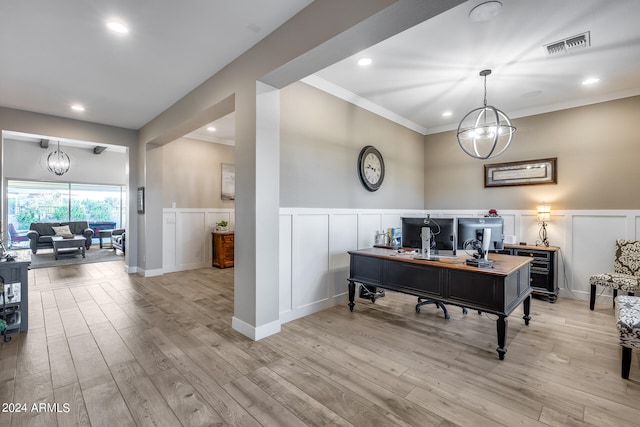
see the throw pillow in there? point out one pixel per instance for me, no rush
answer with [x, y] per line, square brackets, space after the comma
[63, 231]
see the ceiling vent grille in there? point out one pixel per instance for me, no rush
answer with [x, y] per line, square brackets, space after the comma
[569, 44]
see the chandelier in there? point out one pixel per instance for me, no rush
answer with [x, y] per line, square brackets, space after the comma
[485, 131]
[58, 162]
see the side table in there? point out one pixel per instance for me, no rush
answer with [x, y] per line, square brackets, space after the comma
[105, 234]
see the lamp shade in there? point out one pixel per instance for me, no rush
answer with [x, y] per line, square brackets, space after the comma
[544, 212]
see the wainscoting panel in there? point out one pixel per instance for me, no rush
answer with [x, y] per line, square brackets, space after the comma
[343, 238]
[191, 250]
[311, 250]
[186, 237]
[286, 264]
[314, 263]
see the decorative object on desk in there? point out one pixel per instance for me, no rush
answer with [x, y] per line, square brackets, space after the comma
[140, 200]
[228, 182]
[485, 131]
[492, 213]
[222, 226]
[544, 215]
[58, 162]
[370, 168]
[543, 171]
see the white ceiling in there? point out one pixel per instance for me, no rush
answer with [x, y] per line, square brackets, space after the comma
[57, 53]
[434, 67]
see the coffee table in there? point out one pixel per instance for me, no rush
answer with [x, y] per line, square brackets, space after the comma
[65, 246]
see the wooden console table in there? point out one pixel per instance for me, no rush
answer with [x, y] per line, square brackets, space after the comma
[497, 290]
[222, 248]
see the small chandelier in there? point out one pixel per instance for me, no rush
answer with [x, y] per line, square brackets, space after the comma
[58, 162]
[486, 131]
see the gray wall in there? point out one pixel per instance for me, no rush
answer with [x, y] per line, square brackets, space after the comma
[192, 173]
[597, 147]
[25, 161]
[321, 137]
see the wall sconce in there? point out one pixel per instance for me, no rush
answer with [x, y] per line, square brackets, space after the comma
[544, 215]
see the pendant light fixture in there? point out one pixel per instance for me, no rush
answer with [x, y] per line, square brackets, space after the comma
[58, 162]
[485, 131]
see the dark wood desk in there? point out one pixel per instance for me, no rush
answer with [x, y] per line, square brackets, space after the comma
[497, 290]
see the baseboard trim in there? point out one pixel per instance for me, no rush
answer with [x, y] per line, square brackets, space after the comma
[255, 333]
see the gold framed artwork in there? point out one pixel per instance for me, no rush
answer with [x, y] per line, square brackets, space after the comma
[529, 172]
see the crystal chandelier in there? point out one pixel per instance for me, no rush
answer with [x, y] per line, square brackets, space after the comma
[58, 162]
[485, 131]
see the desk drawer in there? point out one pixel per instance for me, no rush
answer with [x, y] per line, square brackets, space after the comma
[536, 255]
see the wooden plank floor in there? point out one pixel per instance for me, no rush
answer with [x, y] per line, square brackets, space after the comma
[114, 349]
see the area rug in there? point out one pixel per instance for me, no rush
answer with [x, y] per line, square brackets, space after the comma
[45, 258]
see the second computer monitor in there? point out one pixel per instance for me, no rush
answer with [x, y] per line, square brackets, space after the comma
[443, 234]
[472, 228]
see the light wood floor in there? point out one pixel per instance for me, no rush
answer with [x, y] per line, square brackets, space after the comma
[112, 349]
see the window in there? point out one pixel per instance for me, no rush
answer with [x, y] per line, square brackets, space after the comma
[34, 201]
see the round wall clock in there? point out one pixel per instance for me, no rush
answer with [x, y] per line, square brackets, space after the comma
[371, 168]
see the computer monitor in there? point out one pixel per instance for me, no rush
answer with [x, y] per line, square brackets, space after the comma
[443, 234]
[472, 228]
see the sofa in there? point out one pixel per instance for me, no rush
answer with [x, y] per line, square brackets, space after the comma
[118, 238]
[40, 233]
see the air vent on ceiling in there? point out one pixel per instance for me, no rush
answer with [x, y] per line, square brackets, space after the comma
[569, 44]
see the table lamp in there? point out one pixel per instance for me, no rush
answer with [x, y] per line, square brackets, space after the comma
[544, 214]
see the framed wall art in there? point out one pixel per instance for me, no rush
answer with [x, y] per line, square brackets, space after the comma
[543, 171]
[140, 200]
[228, 182]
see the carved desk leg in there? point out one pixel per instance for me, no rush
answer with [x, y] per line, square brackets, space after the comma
[352, 294]
[501, 325]
[527, 309]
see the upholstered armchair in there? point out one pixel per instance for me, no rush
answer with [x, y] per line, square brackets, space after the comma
[118, 238]
[626, 271]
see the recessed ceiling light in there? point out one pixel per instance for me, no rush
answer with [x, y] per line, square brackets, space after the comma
[363, 62]
[117, 27]
[590, 81]
[77, 107]
[485, 11]
[211, 129]
[447, 114]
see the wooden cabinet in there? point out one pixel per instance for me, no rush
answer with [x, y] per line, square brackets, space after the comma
[222, 249]
[544, 269]
[14, 300]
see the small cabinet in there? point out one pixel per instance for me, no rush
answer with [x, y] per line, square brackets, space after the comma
[544, 269]
[14, 298]
[222, 249]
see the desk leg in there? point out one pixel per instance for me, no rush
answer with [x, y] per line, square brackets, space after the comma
[83, 251]
[352, 294]
[501, 325]
[527, 309]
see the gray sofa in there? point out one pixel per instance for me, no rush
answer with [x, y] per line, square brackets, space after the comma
[40, 233]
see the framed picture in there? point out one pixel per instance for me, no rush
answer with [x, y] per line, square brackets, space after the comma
[140, 200]
[543, 171]
[228, 182]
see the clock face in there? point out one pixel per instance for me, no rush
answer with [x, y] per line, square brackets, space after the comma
[371, 168]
